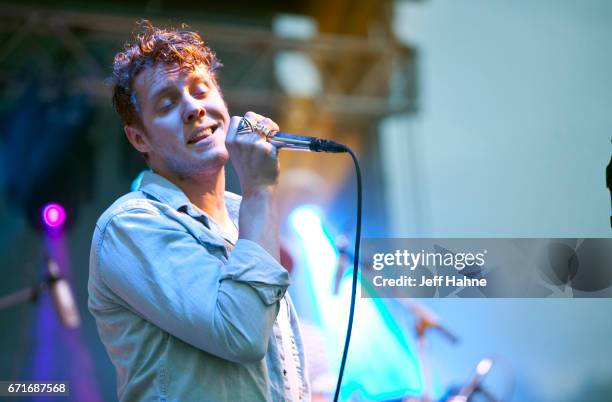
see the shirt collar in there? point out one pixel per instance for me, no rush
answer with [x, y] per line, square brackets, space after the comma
[164, 190]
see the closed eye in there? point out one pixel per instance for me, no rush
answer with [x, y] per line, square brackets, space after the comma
[165, 104]
[199, 90]
[200, 93]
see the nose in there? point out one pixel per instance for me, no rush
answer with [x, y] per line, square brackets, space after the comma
[193, 111]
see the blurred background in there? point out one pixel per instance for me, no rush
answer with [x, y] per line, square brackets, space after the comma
[479, 118]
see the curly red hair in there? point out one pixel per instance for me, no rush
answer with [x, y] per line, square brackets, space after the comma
[149, 46]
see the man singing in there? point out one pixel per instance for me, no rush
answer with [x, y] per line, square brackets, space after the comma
[184, 280]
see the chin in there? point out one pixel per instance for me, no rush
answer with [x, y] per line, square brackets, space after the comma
[189, 167]
[215, 160]
[221, 155]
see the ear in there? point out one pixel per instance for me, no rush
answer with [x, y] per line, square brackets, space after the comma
[137, 137]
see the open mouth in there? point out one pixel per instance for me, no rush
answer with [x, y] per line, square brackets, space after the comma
[202, 134]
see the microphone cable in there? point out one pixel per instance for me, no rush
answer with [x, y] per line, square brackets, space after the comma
[292, 141]
[349, 328]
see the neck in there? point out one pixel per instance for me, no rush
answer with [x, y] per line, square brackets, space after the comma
[207, 192]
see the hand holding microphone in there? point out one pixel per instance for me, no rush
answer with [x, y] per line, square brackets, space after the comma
[253, 142]
[282, 140]
[253, 157]
[255, 161]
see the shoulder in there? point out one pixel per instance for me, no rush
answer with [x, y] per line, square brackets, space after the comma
[130, 203]
[112, 235]
[136, 214]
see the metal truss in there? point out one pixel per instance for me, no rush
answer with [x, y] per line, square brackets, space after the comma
[364, 77]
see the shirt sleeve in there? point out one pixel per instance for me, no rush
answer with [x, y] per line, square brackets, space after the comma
[243, 267]
[165, 275]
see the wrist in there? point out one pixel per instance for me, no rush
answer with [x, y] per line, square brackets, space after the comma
[259, 192]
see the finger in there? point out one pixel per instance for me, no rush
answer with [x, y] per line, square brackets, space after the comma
[269, 148]
[272, 126]
[231, 132]
[244, 131]
[267, 127]
[248, 125]
[254, 117]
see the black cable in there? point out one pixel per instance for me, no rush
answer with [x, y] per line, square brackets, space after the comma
[355, 274]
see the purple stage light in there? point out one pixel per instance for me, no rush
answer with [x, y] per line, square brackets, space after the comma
[53, 215]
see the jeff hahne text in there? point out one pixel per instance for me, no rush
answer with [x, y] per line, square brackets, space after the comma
[410, 261]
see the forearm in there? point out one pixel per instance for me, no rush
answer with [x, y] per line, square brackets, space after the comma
[259, 221]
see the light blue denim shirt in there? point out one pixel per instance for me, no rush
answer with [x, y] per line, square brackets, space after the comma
[185, 315]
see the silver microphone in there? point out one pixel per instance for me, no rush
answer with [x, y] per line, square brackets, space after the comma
[283, 140]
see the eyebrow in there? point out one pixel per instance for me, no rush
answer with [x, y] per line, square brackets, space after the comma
[197, 79]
